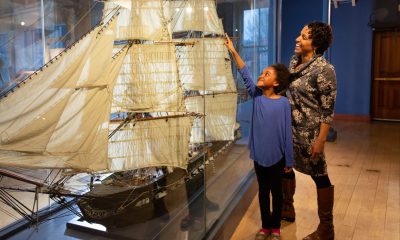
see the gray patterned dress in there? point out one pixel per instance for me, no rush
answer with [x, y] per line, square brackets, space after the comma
[312, 95]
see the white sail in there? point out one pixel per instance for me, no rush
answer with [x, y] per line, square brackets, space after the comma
[148, 81]
[205, 66]
[59, 116]
[194, 15]
[158, 142]
[220, 117]
[111, 4]
[143, 19]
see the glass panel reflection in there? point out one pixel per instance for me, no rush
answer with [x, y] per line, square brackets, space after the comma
[250, 27]
[157, 198]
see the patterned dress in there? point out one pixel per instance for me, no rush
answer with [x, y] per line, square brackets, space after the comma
[312, 95]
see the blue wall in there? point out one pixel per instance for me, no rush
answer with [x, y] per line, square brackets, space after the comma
[296, 14]
[351, 54]
[351, 50]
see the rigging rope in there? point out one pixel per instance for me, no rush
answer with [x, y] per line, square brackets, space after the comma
[15, 204]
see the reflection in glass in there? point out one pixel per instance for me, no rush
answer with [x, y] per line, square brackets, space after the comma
[28, 39]
[188, 202]
[250, 24]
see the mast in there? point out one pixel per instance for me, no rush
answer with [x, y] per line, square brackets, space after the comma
[205, 71]
[148, 85]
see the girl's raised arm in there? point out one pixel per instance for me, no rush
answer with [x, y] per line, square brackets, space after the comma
[239, 61]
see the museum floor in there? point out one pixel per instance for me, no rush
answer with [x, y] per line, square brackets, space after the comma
[364, 166]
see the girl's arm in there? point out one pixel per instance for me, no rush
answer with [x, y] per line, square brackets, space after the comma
[244, 72]
[239, 61]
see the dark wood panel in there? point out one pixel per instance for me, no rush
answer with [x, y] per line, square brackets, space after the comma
[387, 99]
[386, 76]
[387, 54]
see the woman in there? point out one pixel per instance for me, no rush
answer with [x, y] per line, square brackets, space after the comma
[312, 94]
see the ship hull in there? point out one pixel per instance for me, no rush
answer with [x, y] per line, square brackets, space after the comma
[132, 205]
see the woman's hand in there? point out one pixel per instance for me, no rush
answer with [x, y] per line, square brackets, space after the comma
[317, 149]
[229, 44]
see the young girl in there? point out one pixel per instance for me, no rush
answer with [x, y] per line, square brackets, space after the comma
[270, 140]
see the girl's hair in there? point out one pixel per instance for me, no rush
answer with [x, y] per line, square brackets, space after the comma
[282, 77]
[321, 35]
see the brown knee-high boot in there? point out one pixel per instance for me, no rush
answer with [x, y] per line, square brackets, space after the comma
[325, 229]
[288, 187]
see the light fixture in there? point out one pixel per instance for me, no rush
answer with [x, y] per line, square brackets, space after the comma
[337, 2]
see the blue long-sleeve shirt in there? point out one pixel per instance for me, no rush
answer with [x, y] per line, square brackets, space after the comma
[270, 137]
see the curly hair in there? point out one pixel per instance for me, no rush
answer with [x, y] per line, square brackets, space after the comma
[282, 77]
[321, 35]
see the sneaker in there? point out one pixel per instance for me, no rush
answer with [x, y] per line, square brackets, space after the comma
[261, 235]
[275, 236]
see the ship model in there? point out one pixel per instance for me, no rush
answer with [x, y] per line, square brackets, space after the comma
[145, 96]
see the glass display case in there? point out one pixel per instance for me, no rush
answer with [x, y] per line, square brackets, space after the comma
[137, 114]
[31, 33]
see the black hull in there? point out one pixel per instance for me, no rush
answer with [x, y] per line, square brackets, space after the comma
[130, 206]
[144, 203]
[147, 202]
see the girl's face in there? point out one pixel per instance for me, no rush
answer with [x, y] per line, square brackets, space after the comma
[267, 78]
[304, 43]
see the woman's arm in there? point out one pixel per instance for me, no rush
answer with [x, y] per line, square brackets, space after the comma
[288, 137]
[326, 83]
[318, 147]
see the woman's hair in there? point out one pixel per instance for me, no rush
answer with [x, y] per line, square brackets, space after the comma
[282, 77]
[321, 35]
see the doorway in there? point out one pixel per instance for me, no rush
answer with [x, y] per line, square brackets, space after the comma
[386, 75]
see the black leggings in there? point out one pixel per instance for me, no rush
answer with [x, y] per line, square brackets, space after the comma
[320, 181]
[270, 180]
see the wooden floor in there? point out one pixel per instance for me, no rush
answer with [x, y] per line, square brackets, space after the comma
[364, 166]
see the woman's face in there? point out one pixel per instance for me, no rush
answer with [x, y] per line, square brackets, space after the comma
[304, 43]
